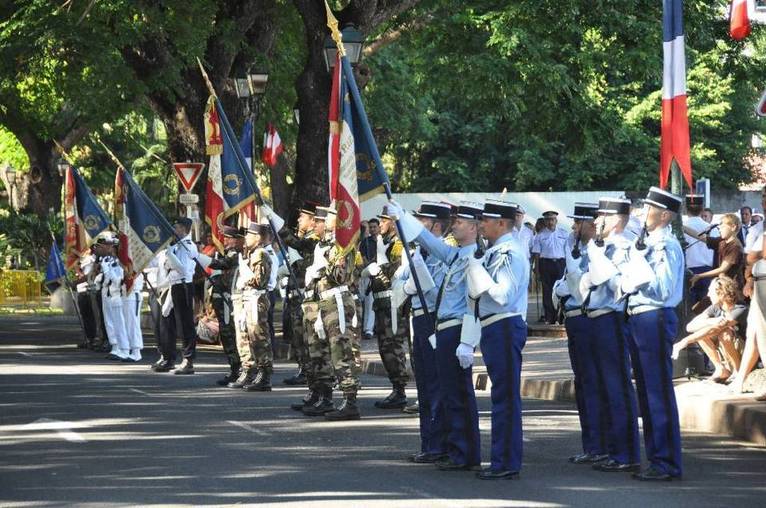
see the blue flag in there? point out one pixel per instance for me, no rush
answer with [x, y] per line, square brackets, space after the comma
[55, 272]
[246, 142]
[238, 183]
[93, 218]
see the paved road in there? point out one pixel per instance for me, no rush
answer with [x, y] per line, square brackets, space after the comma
[76, 429]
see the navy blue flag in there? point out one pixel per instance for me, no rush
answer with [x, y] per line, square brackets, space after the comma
[93, 218]
[55, 272]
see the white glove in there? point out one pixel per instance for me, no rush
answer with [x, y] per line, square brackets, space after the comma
[395, 210]
[319, 327]
[596, 250]
[203, 260]
[638, 253]
[585, 284]
[464, 354]
[373, 269]
[432, 340]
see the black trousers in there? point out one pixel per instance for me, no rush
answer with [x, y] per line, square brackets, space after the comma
[183, 308]
[156, 310]
[87, 315]
[166, 340]
[551, 270]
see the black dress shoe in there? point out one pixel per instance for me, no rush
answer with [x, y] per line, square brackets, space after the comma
[128, 360]
[112, 357]
[448, 465]
[427, 458]
[587, 458]
[653, 474]
[612, 466]
[489, 474]
[164, 367]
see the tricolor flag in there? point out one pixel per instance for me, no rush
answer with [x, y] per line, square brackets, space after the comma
[84, 218]
[674, 139]
[272, 146]
[144, 230]
[739, 21]
[230, 184]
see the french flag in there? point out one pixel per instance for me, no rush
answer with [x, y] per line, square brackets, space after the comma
[674, 138]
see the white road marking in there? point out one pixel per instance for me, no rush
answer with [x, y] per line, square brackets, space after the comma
[249, 428]
[63, 429]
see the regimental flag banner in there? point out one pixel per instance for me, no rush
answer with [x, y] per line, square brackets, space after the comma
[83, 217]
[213, 139]
[144, 230]
[55, 273]
[739, 21]
[674, 138]
[272, 146]
[230, 185]
[333, 144]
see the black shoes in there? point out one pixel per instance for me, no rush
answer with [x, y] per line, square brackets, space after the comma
[163, 367]
[230, 378]
[397, 399]
[446, 464]
[346, 411]
[261, 383]
[612, 466]
[309, 400]
[186, 368]
[299, 379]
[654, 474]
[412, 409]
[427, 458]
[587, 458]
[490, 474]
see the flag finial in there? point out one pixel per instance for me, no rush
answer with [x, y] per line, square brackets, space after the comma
[332, 24]
[206, 78]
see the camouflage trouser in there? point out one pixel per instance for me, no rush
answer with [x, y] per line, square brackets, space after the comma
[392, 347]
[310, 312]
[253, 341]
[298, 350]
[333, 351]
[223, 307]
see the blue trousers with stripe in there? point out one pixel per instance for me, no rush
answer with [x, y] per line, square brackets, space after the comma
[501, 345]
[618, 398]
[461, 416]
[580, 343]
[432, 435]
[651, 343]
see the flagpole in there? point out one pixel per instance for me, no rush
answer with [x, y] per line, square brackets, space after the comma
[71, 294]
[240, 157]
[332, 23]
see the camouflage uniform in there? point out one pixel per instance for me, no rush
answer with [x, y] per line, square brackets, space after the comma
[391, 345]
[221, 289]
[251, 309]
[301, 310]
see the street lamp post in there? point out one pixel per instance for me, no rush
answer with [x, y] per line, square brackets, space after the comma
[352, 41]
[10, 177]
[252, 87]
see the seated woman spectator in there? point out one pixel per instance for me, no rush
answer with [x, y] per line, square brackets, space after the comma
[755, 343]
[731, 259]
[720, 327]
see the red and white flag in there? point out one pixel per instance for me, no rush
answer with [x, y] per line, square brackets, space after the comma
[215, 205]
[333, 144]
[739, 21]
[272, 146]
[674, 138]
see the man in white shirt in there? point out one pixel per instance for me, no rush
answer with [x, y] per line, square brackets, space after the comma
[181, 257]
[522, 233]
[548, 249]
[699, 258]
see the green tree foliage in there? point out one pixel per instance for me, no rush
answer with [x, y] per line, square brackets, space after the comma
[558, 95]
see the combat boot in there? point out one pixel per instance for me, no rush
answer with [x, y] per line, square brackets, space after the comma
[322, 406]
[297, 380]
[347, 410]
[186, 368]
[245, 378]
[397, 399]
[261, 383]
[310, 399]
[228, 378]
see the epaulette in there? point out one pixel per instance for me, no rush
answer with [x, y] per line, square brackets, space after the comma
[397, 248]
[358, 259]
[450, 240]
[259, 255]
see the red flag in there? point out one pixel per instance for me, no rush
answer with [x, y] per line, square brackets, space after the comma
[333, 150]
[272, 146]
[215, 205]
[739, 21]
[674, 137]
[74, 237]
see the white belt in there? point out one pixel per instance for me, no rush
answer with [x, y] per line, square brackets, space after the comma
[494, 318]
[572, 313]
[640, 309]
[598, 312]
[331, 293]
[309, 294]
[418, 312]
[448, 324]
[250, 293]
[382, 294]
